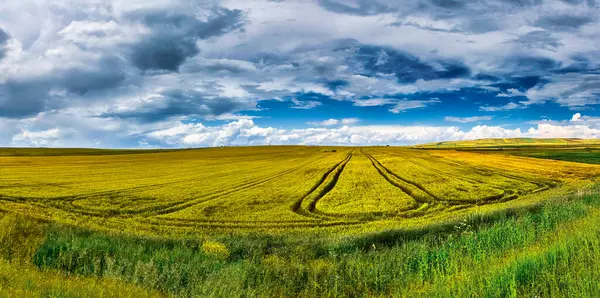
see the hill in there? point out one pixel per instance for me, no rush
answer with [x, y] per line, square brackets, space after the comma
[512, 142]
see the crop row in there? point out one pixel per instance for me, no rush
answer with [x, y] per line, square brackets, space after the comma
[271, 188]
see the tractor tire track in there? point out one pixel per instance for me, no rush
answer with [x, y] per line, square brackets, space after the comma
[59, 203]
[386, 176]
[319, 190]
[387, 171]
[204, 199]
[251, 225]
[542, 185]
[504, 196]
[361, 217]
[507, 195]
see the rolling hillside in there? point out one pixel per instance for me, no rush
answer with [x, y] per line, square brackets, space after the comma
[512, 142]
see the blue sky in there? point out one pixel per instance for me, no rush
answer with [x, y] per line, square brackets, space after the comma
[174, 73]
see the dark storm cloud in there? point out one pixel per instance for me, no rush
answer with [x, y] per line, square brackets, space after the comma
[107, 75]
[28, 97]
[336, 84]
[562, 22]
[177, 102]
[363, 7]
[406, 68]
[21, 99]
[173, 39]
[530, 65]
[3, 37]
[486, 77]
[539, 40]
[3, 40]
[578, 2]
[580, 64]
[163, 53]
[526, 82]
[448, 4]
[523, 3]
[174, 36]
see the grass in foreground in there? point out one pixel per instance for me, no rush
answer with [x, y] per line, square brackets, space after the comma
[548, 251]
[28, 281]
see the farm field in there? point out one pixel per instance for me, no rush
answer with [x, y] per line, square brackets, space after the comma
[272, 188]
[299, 221]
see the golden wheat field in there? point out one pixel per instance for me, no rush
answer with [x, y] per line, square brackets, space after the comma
[276, 189]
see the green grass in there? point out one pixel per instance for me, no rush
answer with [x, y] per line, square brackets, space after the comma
[513, 253]
[27, 281]
[590, 156]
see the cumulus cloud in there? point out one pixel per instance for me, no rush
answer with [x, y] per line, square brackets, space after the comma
[59, 130]
[178, 103]
[246, 132]
[138, 67]
[173, 35]
[564, 131]
[50, 137]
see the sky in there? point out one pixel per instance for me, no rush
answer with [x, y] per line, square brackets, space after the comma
[175, 73]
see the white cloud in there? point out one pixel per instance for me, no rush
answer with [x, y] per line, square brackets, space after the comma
[58, 130]
[350, 121]
[328, 122]
[50, 137]
[405, 104]
[576, 117]
[245, 132]
[68, 64]
[374, 102]
[332, 122]
[506, 107]
[564, 131]
[305, 105]
[572, 90]
[248, 133]
[398, 105]
[489, 88]
[511, 92]
[467, 119]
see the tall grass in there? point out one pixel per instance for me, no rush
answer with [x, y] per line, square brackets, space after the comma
[19, 238]
[258, 265]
